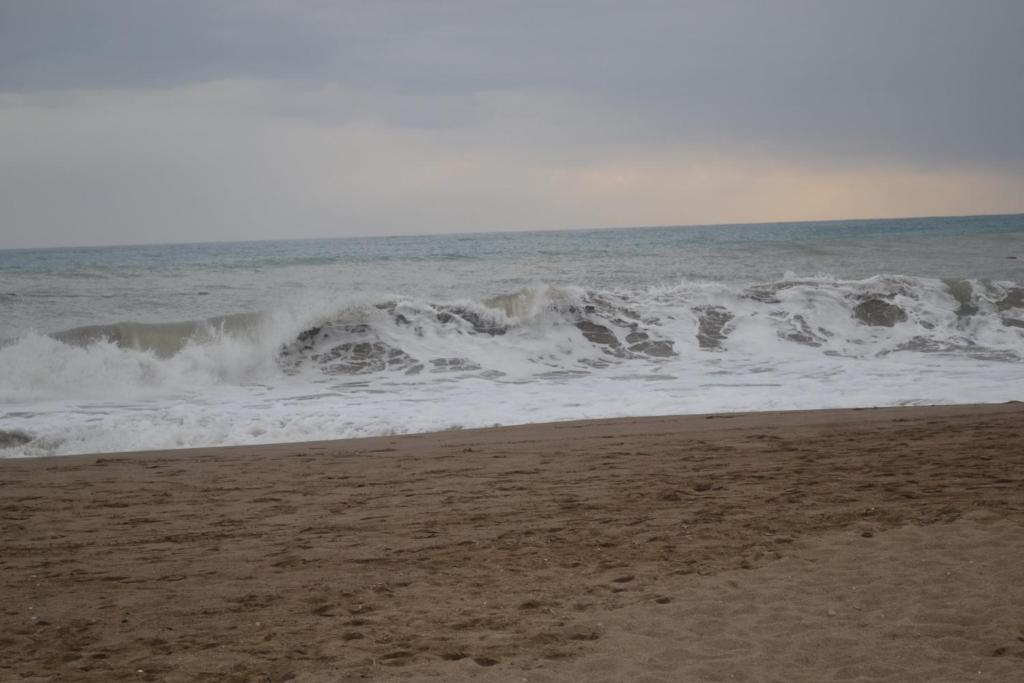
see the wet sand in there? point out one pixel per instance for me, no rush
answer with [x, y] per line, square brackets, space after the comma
[882, 544]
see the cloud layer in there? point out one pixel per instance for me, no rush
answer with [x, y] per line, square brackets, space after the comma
[160, 121]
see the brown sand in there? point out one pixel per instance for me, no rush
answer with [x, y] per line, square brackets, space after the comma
[856, 545]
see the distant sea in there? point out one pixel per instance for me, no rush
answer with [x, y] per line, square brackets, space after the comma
[145, 347]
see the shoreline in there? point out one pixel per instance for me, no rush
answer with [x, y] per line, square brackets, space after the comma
[798, 545]
[809, 415]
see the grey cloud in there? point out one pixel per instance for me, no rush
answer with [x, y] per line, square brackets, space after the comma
[932, 80]
[48, 44]
[149, 120]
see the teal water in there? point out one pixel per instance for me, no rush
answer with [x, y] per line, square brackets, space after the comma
[625, 242]
[48, 290]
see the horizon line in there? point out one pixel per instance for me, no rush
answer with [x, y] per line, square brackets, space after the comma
[516, 231]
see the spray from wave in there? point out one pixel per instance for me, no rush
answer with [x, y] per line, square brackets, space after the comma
[537, 330]
[388, 363]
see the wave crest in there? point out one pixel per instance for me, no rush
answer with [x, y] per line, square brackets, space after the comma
[533, 332]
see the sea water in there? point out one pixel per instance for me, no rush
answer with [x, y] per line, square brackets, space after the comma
[144, 347]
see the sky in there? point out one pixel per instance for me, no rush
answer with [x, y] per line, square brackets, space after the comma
[152, 121]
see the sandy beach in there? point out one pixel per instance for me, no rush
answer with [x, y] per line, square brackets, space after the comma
[856, 545]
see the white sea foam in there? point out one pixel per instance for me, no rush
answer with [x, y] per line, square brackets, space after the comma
[328, 367]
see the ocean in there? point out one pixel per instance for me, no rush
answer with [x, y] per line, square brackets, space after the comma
[150, 347]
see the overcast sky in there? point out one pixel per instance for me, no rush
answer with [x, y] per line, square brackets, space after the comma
[135, 121]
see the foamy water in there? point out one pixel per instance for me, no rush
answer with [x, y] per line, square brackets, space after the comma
[195, 345]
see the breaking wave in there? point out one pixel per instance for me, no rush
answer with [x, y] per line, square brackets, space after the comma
[540, 331]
